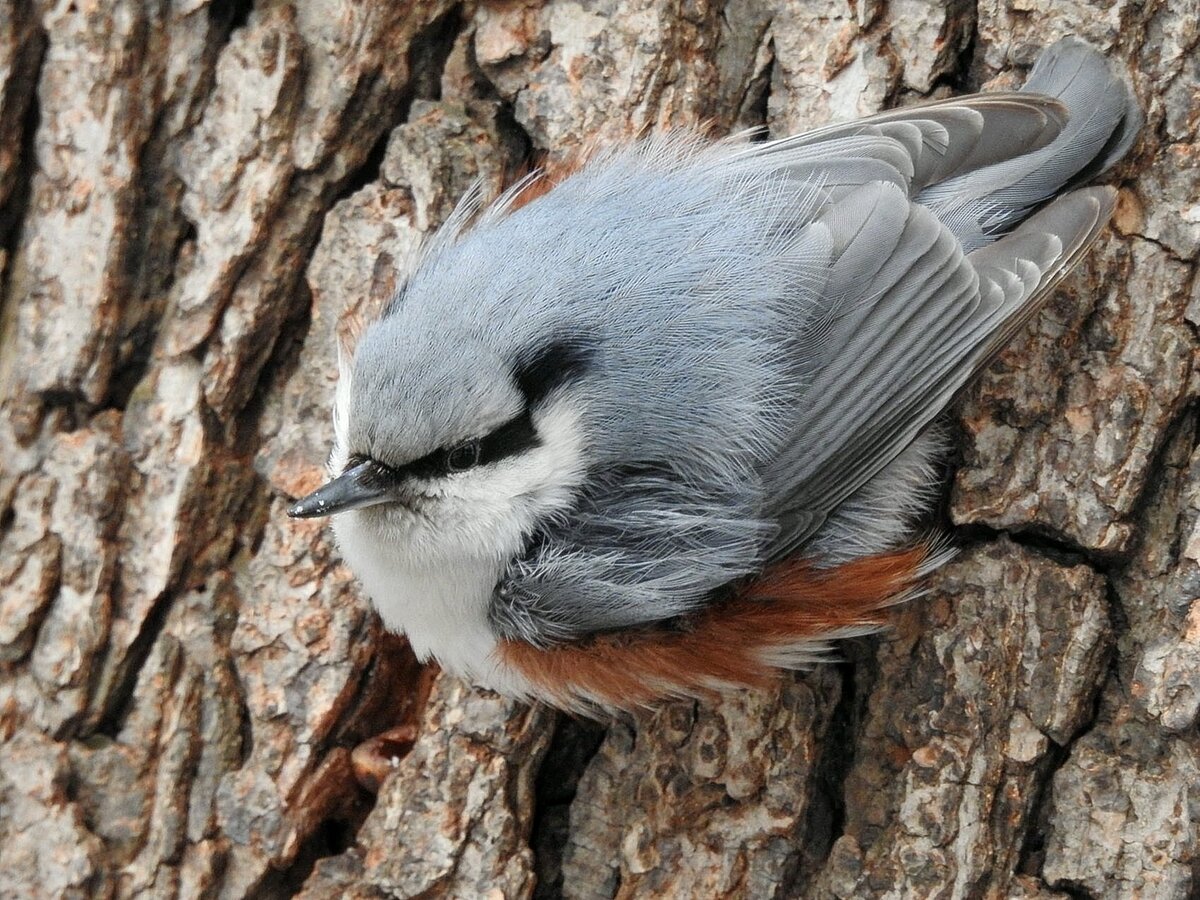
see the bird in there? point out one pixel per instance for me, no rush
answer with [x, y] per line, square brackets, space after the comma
[660, 425]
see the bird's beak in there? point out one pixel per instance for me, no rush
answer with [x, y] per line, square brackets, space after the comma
[355, 488]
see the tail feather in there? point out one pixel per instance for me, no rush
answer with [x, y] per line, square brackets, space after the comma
[1103, 121]
[1075, 73]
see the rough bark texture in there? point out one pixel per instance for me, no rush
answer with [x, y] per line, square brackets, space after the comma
[198, 197]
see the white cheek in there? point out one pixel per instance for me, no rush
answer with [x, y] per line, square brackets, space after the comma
[501, 504]
[431, 574]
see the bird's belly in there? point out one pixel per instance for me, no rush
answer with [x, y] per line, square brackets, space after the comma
[440, 606]
[444, 614]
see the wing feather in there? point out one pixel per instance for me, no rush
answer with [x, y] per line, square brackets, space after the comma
[933, 317]
[941, 138]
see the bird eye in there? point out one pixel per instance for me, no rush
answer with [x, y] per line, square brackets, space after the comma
[463, 457]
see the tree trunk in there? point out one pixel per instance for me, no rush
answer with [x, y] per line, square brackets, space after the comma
[197, 197]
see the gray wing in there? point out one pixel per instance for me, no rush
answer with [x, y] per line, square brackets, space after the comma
[642, 545]
[1104, 121]
[932, 142]
[929, 278]
[921, 318]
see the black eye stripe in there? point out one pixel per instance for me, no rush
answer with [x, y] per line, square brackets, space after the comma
[553, 365]
[515, 436]
[378, 473]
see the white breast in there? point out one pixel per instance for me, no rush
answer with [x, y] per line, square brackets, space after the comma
[440, 604]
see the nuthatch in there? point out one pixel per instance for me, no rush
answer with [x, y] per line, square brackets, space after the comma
[663, 428]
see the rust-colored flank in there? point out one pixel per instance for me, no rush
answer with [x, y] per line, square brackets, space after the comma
[780, 619]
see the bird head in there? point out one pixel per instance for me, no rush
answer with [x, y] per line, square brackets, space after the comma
[445, 445]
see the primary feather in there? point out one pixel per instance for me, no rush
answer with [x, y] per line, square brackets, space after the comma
[754, 340]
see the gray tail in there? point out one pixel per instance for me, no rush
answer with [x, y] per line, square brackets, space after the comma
[1103, 120]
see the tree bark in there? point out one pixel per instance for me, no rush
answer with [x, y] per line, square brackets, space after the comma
[199, 198]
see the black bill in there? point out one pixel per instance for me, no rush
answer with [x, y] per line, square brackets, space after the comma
[355, 488]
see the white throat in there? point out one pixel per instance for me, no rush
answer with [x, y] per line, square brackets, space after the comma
[439, 604]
